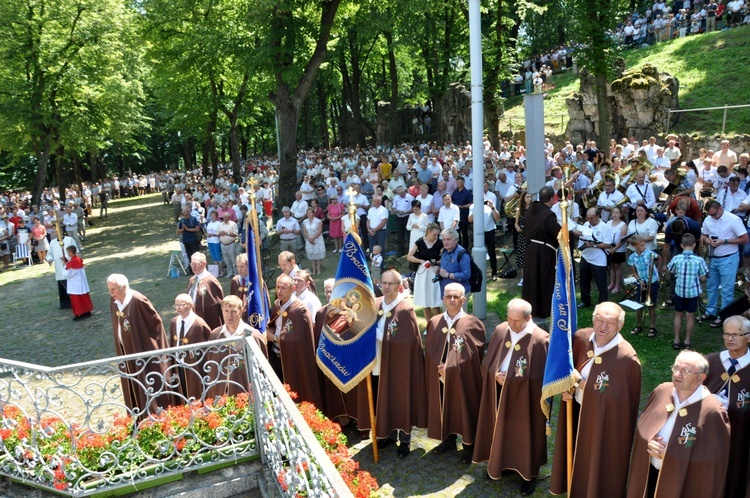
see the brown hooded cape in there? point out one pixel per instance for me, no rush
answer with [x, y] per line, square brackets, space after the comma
[295, 340]
[603, 425]
[208, 299]
[400, 400]
[539, 273]
[739, 419]
[190, 385]
[142, 331]
[511, 433]
[694, 469]
[453, 407]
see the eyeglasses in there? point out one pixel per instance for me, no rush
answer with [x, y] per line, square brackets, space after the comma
[684, 371]
[452, 298]
[732, 336]
[387, 284]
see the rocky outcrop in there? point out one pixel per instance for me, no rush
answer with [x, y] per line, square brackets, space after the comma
[638, 103]
[456, 113]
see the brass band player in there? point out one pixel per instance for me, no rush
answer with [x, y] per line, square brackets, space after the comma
[645, 263]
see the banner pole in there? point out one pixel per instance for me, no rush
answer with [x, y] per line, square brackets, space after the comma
[569, 429]
[373, 422]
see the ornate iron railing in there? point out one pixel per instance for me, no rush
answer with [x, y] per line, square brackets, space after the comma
[288, 446]
[75, 428]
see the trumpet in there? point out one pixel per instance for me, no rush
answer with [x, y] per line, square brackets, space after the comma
[648, 303]
[625, 199]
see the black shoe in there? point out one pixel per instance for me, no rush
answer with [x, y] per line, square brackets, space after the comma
[527, 487]
[77, 317]
[466, 457]
[447, 445]
[384, 443]
[403, 451]
[583, 305]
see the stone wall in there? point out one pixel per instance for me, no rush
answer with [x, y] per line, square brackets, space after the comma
[456, 113]
[638, 102]
[690, 145]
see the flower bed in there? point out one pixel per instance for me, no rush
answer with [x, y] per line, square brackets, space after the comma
[51, 453]
[360, 482]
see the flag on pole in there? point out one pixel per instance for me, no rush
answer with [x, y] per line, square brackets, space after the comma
[346, 349]
[559, 374]
[258, 304]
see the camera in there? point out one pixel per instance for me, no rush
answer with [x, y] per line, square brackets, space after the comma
[486, 203]
[436, 278]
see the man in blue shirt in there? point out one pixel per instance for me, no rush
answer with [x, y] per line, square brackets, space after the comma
[455, 262]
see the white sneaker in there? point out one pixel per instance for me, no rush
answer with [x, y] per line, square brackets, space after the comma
[520, 283]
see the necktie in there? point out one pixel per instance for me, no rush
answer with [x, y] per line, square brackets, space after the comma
[733, 366]
[182, 332]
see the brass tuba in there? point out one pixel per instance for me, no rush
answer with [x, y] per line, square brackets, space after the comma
[512, 205]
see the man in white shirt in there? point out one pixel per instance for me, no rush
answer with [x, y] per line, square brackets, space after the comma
[401, 207]
[609, 198]
[651, 149]
[640, 192]
[724, 232]
[449, 214]
[288, 229]
[377, 223]
[593, 244]
[726, 156]
[303, 292]
[732, 198]
[70, 220]
[425, 199]
[299, 207]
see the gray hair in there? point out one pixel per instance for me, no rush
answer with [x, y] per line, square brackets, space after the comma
[119, 280]
[520, 305]
[613, 306]
[695, 357]
[739, 320]
[449, 231]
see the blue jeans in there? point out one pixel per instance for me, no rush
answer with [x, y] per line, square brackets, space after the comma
[721, 271]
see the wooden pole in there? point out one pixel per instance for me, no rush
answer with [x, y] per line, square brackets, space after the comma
[569, 429]
[565, 239]
[373, 421]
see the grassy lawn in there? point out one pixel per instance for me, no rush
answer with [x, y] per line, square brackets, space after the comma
[711, 69]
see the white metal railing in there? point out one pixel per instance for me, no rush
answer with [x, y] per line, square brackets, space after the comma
[725, 108]
[68, 429]
[288, 446]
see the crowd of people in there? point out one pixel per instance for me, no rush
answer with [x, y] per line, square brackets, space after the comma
[422, 196]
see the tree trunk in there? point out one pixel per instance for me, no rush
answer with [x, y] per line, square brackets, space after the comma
[605, 131]
[325, 137]
[288, 117]
[395, 135]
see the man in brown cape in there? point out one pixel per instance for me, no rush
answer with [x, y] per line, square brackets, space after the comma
[398, 377]
[240, 282]
[186, 329]
[205, 291]
[729, 380]
[682, 440]
[540, 229]
[605, 409]
[224, 365]
[336, 404]
[511, 432]
[138, 328]
[292, 354]
[453, 362]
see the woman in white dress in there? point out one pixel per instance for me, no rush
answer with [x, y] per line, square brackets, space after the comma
[315, 247]
[417, 223]
[618, 229]
[422, 253]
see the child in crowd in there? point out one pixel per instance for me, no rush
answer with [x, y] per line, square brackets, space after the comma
[376, 260]
[690, 270]
[645, 261]
[78, 285]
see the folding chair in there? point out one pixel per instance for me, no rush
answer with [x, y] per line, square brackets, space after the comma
[23, 250]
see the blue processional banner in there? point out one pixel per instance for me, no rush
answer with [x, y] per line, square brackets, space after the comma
[346, 349]
[258, 305]
[559, 374]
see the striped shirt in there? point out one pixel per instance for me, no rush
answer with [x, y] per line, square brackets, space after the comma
[641, 262]
[688, 268]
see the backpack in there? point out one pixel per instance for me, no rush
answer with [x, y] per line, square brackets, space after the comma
[475, 280]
